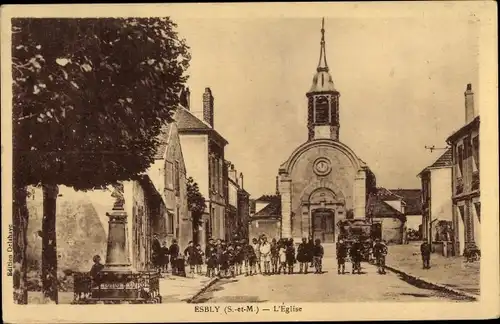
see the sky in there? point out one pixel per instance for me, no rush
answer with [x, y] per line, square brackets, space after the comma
[401, 80]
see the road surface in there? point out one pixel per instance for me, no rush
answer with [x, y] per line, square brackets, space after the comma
[327, 287]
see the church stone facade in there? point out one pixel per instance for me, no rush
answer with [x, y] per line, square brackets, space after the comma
[323, 181]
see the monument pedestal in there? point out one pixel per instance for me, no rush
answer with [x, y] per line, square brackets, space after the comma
[118, 281]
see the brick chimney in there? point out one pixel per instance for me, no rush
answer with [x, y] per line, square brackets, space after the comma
[241, 181]
[277, 186]
[470, 112]
[208, 107]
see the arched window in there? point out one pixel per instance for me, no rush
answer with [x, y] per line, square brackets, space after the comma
[322, 113]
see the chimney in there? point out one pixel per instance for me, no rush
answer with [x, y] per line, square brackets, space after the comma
[184, 98]
[277, 186]
[241, 180]
[208, 107]
[469, 104]
[233, 174]
[188, 98]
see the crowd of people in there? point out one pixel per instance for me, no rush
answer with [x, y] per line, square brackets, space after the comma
[260, 256]
[354, 252]
[239, 257]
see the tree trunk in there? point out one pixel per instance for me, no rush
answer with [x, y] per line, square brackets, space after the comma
[49, 244]
[20, 242]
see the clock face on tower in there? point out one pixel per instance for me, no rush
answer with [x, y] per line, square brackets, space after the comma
[322, 166]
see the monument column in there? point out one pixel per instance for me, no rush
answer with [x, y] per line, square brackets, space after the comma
[286, 206]
[360, 194]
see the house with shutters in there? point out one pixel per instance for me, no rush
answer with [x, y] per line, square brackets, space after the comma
[465, 187]
[203, 148]
[436, 199]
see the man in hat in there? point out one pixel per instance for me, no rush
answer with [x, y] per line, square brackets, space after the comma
[425, 250]
[174, 255]
[156, 252]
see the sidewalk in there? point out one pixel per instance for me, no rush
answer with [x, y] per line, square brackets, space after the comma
[174, 289]
[450, 273]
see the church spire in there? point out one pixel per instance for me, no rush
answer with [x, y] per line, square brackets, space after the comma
[322, 65]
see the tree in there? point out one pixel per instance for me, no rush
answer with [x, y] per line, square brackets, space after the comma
[89, 99]
[196, 205]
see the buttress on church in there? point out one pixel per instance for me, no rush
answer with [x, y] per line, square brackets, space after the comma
[323, 181]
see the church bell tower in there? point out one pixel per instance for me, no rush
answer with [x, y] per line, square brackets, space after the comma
[323, 100]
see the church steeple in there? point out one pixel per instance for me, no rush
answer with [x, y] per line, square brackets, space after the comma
[323, 99]
[322, 64]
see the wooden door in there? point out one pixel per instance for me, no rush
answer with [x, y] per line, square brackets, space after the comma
[318, 226]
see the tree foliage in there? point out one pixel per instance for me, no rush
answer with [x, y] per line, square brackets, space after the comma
[90, 96]
[196, 201]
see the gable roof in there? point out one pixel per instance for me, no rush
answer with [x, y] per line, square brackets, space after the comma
[268, 198]
[386, 194]
[445, 160]
[273, 209]
[412, 198]
[189, 123]
[376, 207]
[186, 121]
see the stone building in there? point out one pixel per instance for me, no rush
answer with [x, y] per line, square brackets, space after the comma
[389, 209]
[412, 206]
[203, 149]
[266, 217]
[323, 180]
[238, 207]
[81, 229]
[436, 197]
[465, 193]
[168, 174]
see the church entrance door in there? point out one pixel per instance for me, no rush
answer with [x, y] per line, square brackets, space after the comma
[323, 221]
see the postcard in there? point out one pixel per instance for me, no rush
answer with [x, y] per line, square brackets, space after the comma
[249, 162]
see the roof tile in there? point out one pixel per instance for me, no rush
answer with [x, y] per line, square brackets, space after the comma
[412, 198]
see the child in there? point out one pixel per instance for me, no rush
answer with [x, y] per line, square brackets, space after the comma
[96, 267]
[164, 257]
[290, 256]
[249, 259]
[231, 260]
[219, 248]
[199, 258]
[211, 261]
[274, 256]
[223, 261]
[256, 248]
[302, 256]
[239, 259]
[190, 254]
[282, 258]
[341, 256]
[318, 256]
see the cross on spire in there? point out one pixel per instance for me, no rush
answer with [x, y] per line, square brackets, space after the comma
[322, 64]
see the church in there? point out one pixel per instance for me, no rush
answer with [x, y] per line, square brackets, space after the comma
[323, 181]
